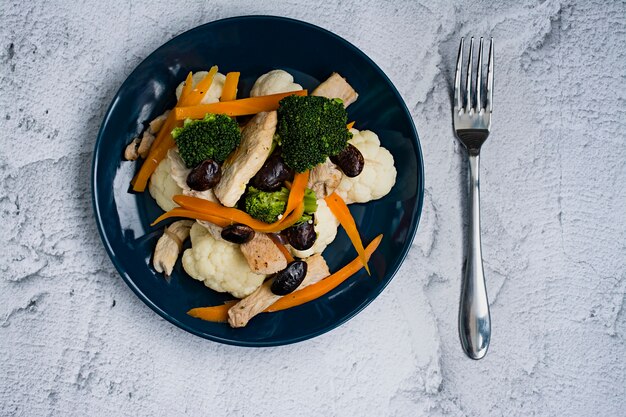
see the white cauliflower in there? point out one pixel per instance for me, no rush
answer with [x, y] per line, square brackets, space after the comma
[325, 227]
[215, 91]
[219, 264]
[162, 186]
[379, 173]
[274, 82]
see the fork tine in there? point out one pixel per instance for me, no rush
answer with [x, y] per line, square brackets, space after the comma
[489, 105]
[458, 97]
[468, 77]
[479, 78]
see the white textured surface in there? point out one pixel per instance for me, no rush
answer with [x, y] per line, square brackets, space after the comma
[74, 340]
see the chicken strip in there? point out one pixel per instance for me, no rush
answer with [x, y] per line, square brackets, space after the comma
[324, 179]
[170, 245]
[336, 87]
[263, 255]
[241, 165]
[240, 314]
[157, 123]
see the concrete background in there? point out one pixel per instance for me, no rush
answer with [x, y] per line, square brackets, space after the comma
[74, 340]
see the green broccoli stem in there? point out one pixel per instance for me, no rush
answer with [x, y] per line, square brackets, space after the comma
[310, 201]
[268, 206]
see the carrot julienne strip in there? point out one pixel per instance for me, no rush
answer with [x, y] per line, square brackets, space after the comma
[198, 92]
[341, 211]
[229, 92]
[217, 314]
[241, 107]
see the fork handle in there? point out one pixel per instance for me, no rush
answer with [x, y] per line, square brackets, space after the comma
[474, 318]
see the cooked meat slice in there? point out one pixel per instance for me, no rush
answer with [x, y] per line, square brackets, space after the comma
[240, 314]
[324, 179]
[131, 153]
[263, 255]
[241, 165]
[146, 143]
[170, 245]
[336, 87]
[157, 123]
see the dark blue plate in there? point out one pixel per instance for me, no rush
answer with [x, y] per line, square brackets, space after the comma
[249, 44]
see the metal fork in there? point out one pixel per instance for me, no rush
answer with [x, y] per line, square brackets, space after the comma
[472, 122]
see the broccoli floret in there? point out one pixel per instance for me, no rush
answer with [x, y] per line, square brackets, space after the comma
[213, 137]
[267, 206]
[310, 129]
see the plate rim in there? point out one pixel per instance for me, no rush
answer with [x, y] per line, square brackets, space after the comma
[416, 215]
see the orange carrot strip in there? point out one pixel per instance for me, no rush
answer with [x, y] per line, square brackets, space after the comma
[341, 211]
[350, 125]
[223, 216]
[187, 87]
[192, 214]
[241, 107]
[229, 92]
[326, 285]
[196, 95]
[217, 314]
[296, 298]
[281, 247]
[296, 191]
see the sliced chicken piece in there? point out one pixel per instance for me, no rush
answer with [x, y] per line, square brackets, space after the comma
[170, 245]
[146, 143]
[263, 255]
[240, 314]
[241, 165]
[214, 230]
[336, 87]
[157, 123]
[131, 152]
[324, 179]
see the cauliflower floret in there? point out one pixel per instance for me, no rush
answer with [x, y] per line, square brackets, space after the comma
[379, 173]
[274, 82]
[219, 264]
[215, 91]
[325, 228]
[162, 186]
